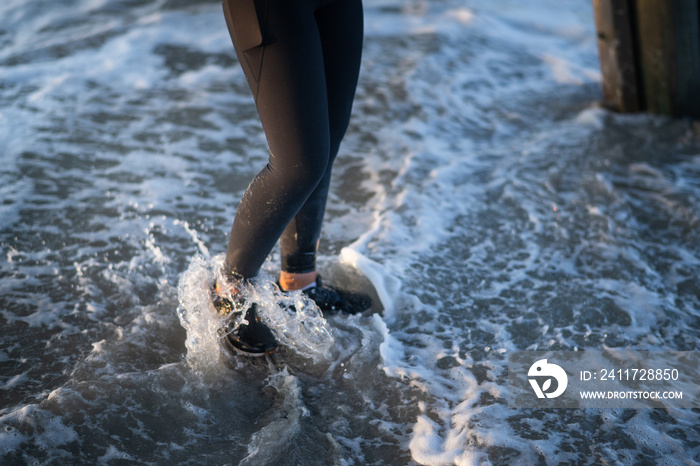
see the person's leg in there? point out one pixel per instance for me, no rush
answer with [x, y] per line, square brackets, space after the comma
[340, 25]
[288, 80]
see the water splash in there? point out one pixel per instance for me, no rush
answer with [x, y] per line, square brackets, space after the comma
[295, 320]
[197, 315]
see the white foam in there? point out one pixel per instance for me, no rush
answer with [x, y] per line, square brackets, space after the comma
[52, 434]
[282, 430]
[114, 454]
[386, 285]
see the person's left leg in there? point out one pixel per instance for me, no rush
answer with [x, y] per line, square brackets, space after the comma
[340, 25]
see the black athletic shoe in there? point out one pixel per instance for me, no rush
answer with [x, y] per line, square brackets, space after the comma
[253, 338]
[331, 299]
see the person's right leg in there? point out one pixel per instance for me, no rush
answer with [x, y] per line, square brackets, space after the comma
[287, 78]
[291, 97]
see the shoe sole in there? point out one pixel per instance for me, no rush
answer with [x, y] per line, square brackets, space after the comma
[231, 346]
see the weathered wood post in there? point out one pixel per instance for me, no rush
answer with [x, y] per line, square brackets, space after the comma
[650, 55]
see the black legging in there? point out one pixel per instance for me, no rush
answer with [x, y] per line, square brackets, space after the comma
[302, 60]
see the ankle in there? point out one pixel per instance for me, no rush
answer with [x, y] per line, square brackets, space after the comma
[297, 281]
[226, 289]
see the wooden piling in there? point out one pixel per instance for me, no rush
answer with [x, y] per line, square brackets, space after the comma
[617, 55]
[650, 55]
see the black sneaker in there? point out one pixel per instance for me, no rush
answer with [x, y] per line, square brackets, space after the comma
[331, 299]
[252, 338]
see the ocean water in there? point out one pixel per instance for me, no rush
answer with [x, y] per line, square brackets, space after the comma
[482, 194]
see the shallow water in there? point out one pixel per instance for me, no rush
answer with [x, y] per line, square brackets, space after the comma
[490, 201]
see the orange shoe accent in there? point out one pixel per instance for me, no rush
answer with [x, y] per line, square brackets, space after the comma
[218, 289]
[296, 281]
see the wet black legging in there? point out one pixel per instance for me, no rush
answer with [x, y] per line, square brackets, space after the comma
[302, 64]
